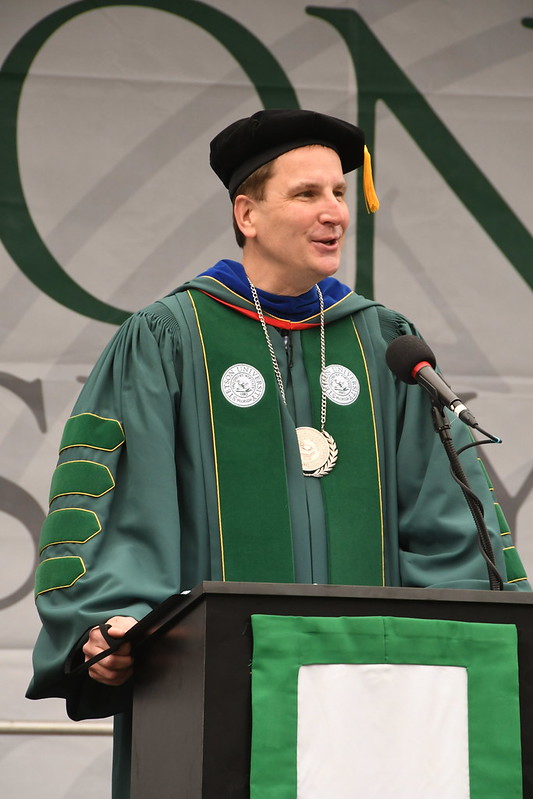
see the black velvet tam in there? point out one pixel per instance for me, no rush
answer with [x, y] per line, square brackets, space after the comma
[247, 144]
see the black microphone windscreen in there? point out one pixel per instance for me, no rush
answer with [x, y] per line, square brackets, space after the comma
[404, 353]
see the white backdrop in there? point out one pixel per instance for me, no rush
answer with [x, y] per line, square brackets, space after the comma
[112, 131]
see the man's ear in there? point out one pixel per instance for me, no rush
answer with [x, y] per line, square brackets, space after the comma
[243, 211]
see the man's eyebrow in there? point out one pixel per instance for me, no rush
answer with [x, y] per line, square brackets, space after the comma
[306, 184]
[311, 184]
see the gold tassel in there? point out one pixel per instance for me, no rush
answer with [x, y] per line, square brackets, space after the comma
[371, 198]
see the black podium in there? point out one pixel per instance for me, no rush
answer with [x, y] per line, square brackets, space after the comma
[192, 708]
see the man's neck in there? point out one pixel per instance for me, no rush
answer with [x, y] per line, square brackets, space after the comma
[273, 281]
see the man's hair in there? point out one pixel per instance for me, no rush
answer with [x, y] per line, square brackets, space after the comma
[253, 187]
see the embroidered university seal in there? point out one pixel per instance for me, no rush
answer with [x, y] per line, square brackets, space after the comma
[339, 384]
[242, 385]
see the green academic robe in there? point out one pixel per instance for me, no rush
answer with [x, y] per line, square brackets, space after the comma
[146, 501]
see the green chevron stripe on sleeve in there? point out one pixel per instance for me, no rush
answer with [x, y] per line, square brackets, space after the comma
[58, 573]
[502, 521]
[69, 526]
[484, 470]
[81, 477]
[513, 565]
[90, 430]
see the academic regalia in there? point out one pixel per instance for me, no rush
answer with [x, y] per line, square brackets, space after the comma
[180, 465]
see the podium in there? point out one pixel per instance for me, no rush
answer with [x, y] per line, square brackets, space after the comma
[192, 699]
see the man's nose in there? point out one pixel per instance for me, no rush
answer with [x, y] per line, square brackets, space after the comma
[333, 211]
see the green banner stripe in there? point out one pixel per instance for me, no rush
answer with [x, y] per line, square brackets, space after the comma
[58, 573]
[90, 430]
[283, 644]
[69, 525]
[513, 565]
[254, 519]
[81, 477]
[355, 537]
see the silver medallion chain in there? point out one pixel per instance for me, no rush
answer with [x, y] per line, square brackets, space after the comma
[318, 450]
[275, 363]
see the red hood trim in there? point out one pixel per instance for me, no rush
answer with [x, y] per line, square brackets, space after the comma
[285, 324]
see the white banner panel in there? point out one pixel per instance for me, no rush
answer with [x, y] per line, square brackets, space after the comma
[382, 730]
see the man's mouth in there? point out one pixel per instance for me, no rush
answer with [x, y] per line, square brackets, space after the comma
[327, 242]
[329, 238]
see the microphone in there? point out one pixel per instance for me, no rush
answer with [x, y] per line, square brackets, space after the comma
[413, 361]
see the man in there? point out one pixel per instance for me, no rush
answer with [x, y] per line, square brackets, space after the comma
[247, 428]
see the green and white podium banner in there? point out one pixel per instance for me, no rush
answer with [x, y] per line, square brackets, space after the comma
[384, 707]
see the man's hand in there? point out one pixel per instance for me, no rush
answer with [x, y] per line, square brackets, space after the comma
[115, 669]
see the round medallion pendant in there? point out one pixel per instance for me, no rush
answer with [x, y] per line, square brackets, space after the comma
[318, 451]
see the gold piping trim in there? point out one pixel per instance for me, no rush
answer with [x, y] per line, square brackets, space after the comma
[219, 512]
[55, 587]
[64, 541]
[376, 451]
[89, 446]
[84, 493]
[502, 532]
[219, 282]
[270, 315]
[483, 469]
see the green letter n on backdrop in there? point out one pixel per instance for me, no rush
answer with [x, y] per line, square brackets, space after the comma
[380, 78]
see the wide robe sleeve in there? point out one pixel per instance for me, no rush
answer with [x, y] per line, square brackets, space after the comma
[111, 542]
[438, 542]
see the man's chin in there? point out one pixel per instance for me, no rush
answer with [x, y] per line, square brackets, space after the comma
[328, 267]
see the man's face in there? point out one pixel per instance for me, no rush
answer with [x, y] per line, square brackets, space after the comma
[298, 228]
